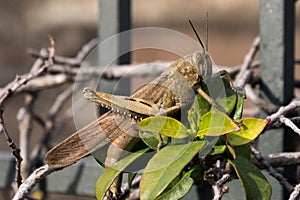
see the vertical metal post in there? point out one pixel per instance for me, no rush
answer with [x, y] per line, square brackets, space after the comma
[277, 69]
[114, 18]
[124, 42]
[124, 25]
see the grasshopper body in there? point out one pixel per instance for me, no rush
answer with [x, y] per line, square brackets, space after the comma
[172, 89]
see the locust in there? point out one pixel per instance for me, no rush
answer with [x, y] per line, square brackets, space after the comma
[173, 90]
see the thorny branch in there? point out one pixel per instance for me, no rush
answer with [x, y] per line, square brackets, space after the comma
[50, 70]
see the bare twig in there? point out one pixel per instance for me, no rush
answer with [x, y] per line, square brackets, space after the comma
[234, 70]
[22, 80]
[75, 62]
[29, 79]
[51, 50]
[259, 102]
[296, 193]
[244, 78]
[296, 120]
[31, 181]
[15, 151]
[114, 71]
[218, 187]
[36, 82]
[60, 60]
[263, 160]
[247, 62]
[283, 111]
[45, 82]
[25, 124]
[131, 192]
[50, 122]
[10, 90]
[290, 124]
[280, 159]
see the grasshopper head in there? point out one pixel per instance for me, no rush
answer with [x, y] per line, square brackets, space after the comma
[201, 59]
[202, 62]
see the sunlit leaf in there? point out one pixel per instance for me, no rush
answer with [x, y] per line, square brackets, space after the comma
[165, 166]
[152, 139]
[255, 184]
[218, 149]
[179, 189]
[250, 128]
[105, 180]
[163, 125]
[215, 123]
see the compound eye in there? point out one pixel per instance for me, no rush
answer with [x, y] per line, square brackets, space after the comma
[197, 58]
[204, 65]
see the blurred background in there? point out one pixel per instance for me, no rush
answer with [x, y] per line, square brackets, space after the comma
[233, 25]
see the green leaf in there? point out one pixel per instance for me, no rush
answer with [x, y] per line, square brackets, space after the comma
[226, 97]
[239, 104]
[152, 139]
[193, 118]
[231, 151]
[221, 91]
[131, 176]
[198, 172]
[165, 166]
[243, 151]
[105, 180]
[249, 130]
[200, 107]
[218, 149]
[163, 125]
[215, 123]
[179, 189]
[255, 184]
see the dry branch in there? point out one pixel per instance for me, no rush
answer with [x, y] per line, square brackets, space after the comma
[273, 172]
[31, 181]
[240, 79]
[50, 70]
[296, 193]
[280, 160]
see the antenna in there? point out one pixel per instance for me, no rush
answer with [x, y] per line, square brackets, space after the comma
[198, 37]
[206, 32]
